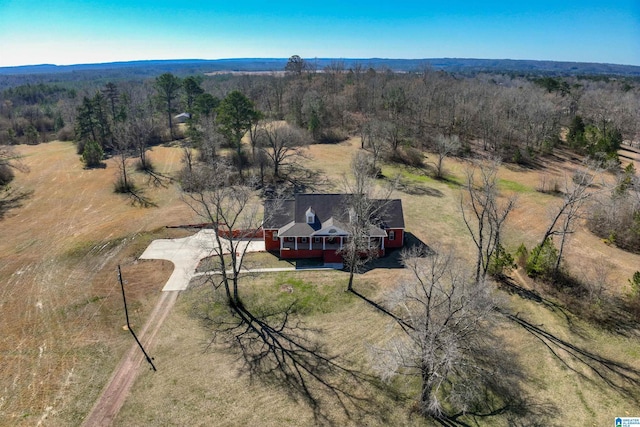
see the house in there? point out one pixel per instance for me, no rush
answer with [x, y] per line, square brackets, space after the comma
[315, 226]
[182, 117]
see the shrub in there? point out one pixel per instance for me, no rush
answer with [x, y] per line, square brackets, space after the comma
[500, 261]
[6, 174]
[65, 134]
[122, 187]
[408, 156]
[146, 166]
[521, 255]
[634, 300]
[92, 154]
[635, 284]
[413, 157]
[8, 136]
[332, 136]
[542, 259]
[32, 135]
[517, 157]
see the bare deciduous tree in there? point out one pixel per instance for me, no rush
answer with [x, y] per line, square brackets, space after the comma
[281, 143]
[444, 339]
[484, 214]
[365, 206]
[372, 133]
[575, 195]
[128, 141]
[216, 197]
[444, 147]
[139, 129]
[123, 148]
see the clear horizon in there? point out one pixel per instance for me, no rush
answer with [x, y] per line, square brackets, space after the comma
[65, 32]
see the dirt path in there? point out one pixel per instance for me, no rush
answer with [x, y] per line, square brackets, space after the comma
[115, 392]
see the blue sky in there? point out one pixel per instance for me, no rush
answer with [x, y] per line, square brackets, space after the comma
[80, 31]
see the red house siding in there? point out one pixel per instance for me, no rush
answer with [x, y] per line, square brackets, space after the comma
[293, 254]
[398, 239]
[241, 234]
[332, 257]
[269, 243]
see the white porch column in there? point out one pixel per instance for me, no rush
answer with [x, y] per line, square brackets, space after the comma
[295, 243]
[382, 238]
[324, 242]
[310, 240]
[281, 242]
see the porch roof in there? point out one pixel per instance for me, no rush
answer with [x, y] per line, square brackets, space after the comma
[296, 229]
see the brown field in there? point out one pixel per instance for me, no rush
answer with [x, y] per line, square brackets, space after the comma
[60, 305]
[61, 312]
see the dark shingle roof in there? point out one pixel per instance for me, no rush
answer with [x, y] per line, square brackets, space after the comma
[297, 229]
[278, 213]
[390, 213]
[326, 207]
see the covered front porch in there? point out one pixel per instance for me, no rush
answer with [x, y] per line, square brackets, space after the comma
[316, 246]
[323, 243]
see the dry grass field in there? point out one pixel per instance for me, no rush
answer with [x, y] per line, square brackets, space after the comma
[61, 316]
[60, 304]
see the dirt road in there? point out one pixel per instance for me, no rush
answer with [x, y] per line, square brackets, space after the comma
[113, 396]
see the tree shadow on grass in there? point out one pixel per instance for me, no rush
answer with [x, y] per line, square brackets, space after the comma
[393, 257]
[618, 376]
[12, 199]
[417, 189]
[305, 180]
[154, 178]
[276, 347]
[612, 313]
[136, 196]
[101, 165]
[510, 286]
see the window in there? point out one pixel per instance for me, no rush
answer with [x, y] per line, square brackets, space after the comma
[274, 236]
[330, 239]
[392, 235]
[290, 239]
[311, 216]
[316, 240]
[303, 240]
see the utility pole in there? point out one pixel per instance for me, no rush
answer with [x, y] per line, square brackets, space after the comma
[126, 312]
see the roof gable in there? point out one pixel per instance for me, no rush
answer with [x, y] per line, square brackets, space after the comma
[332, 228]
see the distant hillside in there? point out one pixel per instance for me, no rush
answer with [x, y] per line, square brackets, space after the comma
[276, 64]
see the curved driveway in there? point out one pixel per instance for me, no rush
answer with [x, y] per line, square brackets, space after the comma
[186, 253]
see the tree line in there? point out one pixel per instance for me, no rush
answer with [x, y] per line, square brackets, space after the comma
[515, 117]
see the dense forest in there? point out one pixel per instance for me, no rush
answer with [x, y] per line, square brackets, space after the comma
[503, 110]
